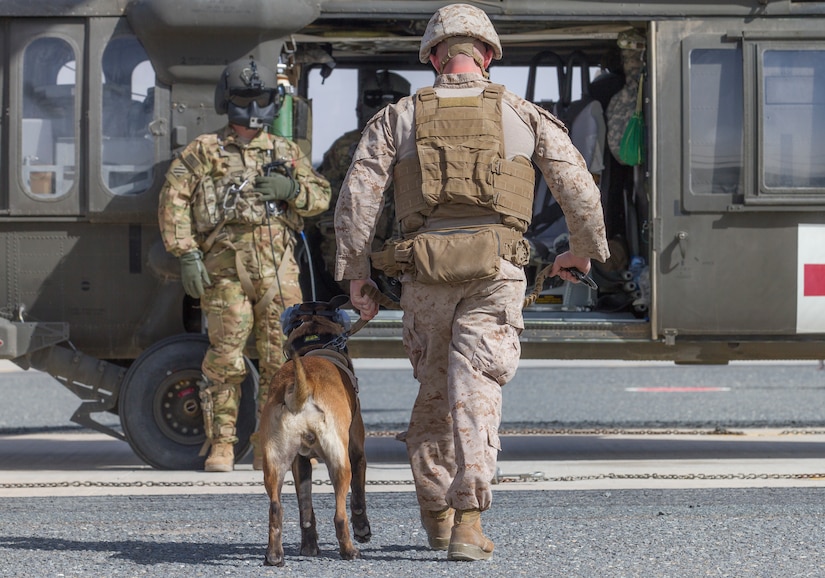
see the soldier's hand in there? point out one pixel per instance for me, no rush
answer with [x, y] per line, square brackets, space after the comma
[361, 301]
[276, 187]
[193, 274]
[567, 261]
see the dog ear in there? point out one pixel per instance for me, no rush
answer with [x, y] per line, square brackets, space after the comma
[338, 301]
[290, 319]
[289, 350]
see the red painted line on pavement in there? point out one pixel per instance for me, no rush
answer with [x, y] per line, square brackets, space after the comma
[675, 389]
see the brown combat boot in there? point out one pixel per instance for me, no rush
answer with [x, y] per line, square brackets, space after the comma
[467, 541]
[438, 524]
[221, 458]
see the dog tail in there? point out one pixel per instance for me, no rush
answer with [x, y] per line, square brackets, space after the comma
[297, 393]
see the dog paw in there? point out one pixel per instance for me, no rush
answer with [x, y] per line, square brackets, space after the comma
[362, 532]
[350, 553]
[272, 560]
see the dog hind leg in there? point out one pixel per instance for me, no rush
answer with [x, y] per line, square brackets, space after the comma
[278, 454]
[302, 473]
[336, 457]
[358, 499]
[273, 480]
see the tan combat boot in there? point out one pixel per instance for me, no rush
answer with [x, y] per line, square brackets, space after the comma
[438, 524]
[467, 541]
[221, 458]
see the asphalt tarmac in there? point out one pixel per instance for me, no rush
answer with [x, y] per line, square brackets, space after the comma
[679, 488]
[764, 532]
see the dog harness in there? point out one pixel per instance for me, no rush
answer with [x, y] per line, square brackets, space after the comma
[338, 359]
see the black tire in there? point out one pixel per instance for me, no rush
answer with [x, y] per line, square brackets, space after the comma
[169, 436]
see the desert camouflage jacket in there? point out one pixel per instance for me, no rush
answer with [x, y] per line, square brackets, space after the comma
[529, 131]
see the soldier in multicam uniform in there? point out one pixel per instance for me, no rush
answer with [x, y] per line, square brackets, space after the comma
[459, 155]
[379, 89]
[229, 210]
[623, 104]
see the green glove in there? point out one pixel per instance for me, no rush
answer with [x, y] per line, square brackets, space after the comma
[276, 187]
[193, 274]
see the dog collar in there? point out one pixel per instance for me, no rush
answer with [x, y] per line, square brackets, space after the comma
[336, 342]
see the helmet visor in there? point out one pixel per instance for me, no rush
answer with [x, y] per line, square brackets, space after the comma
[245, 97]
[378, 98]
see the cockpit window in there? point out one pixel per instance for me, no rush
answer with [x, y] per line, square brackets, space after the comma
[127, 148]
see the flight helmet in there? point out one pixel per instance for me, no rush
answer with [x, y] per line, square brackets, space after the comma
[249, 94]
[380, 88]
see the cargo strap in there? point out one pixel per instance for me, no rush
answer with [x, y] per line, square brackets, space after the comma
[213, 236]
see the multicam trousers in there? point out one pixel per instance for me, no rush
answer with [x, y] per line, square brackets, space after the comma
[231, 320]
[463, 342]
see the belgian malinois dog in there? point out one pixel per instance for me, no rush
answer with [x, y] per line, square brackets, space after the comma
[313, 412]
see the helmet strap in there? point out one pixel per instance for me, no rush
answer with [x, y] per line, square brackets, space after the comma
[463, 45]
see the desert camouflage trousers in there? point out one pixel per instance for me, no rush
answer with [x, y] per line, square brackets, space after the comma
[463, 342]
[231, 319]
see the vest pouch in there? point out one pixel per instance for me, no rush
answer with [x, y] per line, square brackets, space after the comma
[205, 211]
[249, 209]
[394, 258]
[456, 256]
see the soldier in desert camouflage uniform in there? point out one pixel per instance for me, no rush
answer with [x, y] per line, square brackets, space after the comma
[379, 89]
[459, 155]
[229, 210]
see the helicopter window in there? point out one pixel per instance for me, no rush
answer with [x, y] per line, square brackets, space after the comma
[334, 101]
[333, 108]
[48, 122]
[127, 149]
[792, 116]
[335, 97]
[716, 121]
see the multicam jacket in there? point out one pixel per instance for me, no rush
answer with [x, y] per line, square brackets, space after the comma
[209, 184]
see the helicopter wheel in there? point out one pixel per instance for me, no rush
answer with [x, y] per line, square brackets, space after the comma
[160, 409]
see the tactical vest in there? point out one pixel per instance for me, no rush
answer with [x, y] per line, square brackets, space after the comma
[461, 163]
[224, 191]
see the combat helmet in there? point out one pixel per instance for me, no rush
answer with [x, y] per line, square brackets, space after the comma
[249, 93]
[458, 20]
[379, 89]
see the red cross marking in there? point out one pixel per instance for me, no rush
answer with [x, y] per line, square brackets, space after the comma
[814, 281]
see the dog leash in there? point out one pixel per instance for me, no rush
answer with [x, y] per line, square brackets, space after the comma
[542, 277]
[375, 294]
